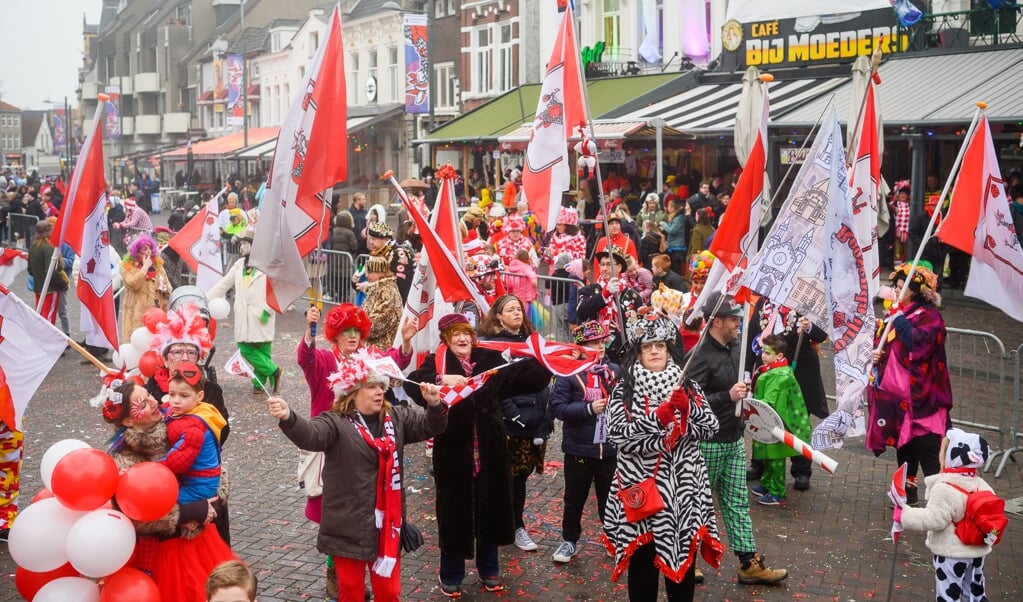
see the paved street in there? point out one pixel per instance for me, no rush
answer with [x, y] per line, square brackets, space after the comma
[833, 539]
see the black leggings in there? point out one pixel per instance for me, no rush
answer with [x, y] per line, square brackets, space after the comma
[920, 452]
[519, 498]
[644, 579]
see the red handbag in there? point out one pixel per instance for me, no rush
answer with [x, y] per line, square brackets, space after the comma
[642, 499]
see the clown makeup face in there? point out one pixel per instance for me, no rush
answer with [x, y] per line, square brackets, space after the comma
[349, 340]
[144, 411]
[369, 398]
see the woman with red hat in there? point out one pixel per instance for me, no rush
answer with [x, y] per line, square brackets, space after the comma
[346, 328]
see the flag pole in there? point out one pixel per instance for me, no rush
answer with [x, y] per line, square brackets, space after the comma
[596, 166]
[76, 178]
[875, 62]
[929, 232]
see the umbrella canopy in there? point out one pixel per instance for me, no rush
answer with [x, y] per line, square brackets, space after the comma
[411, 183]
[747, 117]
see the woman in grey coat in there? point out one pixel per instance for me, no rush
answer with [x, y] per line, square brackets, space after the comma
[362, 439]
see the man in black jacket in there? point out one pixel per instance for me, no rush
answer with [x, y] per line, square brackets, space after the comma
[608, 301]
[715, 367]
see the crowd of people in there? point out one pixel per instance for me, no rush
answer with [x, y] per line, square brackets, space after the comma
[649, 423]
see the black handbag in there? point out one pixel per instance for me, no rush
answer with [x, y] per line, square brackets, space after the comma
[411, 538]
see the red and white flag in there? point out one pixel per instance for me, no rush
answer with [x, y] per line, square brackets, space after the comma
[979, 221]
[736, 240]
[561, 359]
[12, 262]
[237, 365]
[559, 111]
[424, 306]
[864, 181]
[311, 156]
[198, 243]
[29, 347]
[897, 490]
[450, 394]
[82, 224]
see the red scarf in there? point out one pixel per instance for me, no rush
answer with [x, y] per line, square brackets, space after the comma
[765, 367]
[388, 504]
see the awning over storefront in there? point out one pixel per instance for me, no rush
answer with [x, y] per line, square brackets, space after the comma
[506, 113]
[712, 108]
[609, 134]
[216, 148]
[935, 89]
[265, 149]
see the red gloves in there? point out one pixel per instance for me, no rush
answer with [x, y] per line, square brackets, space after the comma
[678, 402]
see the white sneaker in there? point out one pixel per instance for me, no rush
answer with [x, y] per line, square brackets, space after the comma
[523, 542]
[565, 552]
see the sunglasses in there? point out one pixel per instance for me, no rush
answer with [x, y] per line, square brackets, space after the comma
[190, 373]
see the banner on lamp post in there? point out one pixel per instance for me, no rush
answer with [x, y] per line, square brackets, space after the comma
[235, 108]
[59, 131]
[417, 64]
[112, 113]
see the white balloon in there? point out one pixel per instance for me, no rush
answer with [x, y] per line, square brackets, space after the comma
[115, 359]
[38, 539]
[100, 543]
[54, 454]
[68, 589]
[130, 356]
[141, 339]
[219, 308]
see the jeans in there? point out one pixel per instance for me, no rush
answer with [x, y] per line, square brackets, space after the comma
[452, 568]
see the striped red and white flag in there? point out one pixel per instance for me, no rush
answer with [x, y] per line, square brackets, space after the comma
[450, 395]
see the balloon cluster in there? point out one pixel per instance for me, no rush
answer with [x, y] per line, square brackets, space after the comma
[71, 543]
[138, 356]
[700, 263]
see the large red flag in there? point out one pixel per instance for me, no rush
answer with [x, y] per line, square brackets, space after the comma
[958, 225]
[559, 111]
[311, 156]
[199, 244]
[454, 285]
[447, 216]
[82, 224]
[980, 222]
[864, 179]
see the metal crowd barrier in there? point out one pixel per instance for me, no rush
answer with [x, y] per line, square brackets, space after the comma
[977, 364]
[548, 319]
[332, 272]
[21, 230]
[1016, 428]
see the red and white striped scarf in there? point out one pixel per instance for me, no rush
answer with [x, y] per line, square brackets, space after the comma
[388, 503]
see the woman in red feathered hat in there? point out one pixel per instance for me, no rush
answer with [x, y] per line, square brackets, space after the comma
[346, 328]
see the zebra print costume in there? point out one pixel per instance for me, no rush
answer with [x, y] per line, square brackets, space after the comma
[687, 523]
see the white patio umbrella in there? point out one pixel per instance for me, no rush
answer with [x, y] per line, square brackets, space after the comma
[747, 117]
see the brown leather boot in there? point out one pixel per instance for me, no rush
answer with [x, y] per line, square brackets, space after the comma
[755, 572]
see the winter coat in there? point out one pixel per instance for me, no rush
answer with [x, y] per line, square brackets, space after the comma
[383, 306]
[348, 528]
[39, 256]
[476, 505]
[716, 369]
[254, 321]
[945, 507]
[526, 416]
[698, 238]
[806, 365]
[141, 293]
[779, 389]
[687, 524]
[343, 237]
[671, 280]
[676, 231]
[570, 405]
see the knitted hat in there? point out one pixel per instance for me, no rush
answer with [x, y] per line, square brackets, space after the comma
[345, 316]
[568, 216]
[450, 320]
[130, 202]
[967, 450]
[562, 260]
[353, 372]
[591, 330]
[380, 230]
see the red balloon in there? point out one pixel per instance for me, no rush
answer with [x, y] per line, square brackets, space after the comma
[149, 362]
[152, 317]
[30, 582]
[146, 491]
[129, 585]
[84, 479]
[42, 494]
